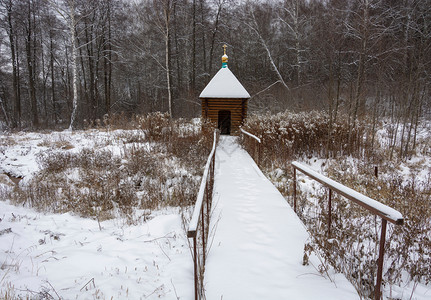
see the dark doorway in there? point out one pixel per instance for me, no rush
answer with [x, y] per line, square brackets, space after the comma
[224, 121]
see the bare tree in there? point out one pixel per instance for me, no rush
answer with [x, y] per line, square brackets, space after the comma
[253, 24]
[294, 25]
[9, 6]
[215, 30]
[68, 12]
[165, 9]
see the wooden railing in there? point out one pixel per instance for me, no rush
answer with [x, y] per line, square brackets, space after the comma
[199, 224]
[254, 147]
[385, 212]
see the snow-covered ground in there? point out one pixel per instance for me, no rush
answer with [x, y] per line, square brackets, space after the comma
[68, 257]
[19, 152]
[64, 256]
[408, 289]
[44, 255]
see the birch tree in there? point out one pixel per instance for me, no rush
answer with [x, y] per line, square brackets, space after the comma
[253, 24]
[165, 9]
[293, 24]
[72, 30]
[67, 9]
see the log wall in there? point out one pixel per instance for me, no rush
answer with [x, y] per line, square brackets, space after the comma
[237, 107]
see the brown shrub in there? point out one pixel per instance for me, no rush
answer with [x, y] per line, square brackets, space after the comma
[160, 165]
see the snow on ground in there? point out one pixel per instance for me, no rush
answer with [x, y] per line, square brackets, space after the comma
[251, 257]
[258, 241]
[73, 258]
[19, 152]
[418, 167]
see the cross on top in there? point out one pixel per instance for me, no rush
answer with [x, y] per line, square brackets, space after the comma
[224, 46]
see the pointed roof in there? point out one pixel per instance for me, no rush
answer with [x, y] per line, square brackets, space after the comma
[224, 84]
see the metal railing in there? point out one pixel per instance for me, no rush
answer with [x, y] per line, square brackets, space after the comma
[255, 145]
[201, 219]
[385, 212]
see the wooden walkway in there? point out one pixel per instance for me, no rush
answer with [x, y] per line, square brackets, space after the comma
[257, 241]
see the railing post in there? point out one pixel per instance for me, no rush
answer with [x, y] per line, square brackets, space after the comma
[294, 189]
[203, 234]
[258, 153]
[195, 261]
[207, 192]
[213, 167]
[329, 213]
[380, 261]
[253, 147]
[255, 152]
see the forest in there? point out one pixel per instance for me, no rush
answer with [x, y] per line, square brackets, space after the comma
[73, 63]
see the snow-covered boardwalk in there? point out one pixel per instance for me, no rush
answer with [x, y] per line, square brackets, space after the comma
[257, 240]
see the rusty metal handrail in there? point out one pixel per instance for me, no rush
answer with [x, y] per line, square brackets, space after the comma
[257, 147]
[385, 212]
[199, 214]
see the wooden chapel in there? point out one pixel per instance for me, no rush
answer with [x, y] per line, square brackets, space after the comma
[224, 100]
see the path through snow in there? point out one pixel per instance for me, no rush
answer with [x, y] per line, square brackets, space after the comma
[258, 241]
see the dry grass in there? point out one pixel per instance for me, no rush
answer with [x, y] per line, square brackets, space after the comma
[160, 165]
[353, 246]
[286, 136]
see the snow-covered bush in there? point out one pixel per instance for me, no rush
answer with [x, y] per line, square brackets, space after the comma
[351, 158]
[290, 135]
[356, 233]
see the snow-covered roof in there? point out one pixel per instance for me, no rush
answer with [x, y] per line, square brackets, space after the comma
[224, 84]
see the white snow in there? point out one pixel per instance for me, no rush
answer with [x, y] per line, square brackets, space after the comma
[224, 84]
[65, 256]
[19, 152]
[256, 245]
[74, 258]
[258, 241]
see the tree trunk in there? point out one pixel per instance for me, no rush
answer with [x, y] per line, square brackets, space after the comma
[204, 59]
[91, 71]
[72, 26]
[213, 38]
[51, 64]
[297, 48]
[4, 111]
[254, 27]
[84, 77]
[108, 63]
[30, 68]
[16, 98]
[44, 82]
[167, 15]
[177, 48]
[193, 77]
[331, 109]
